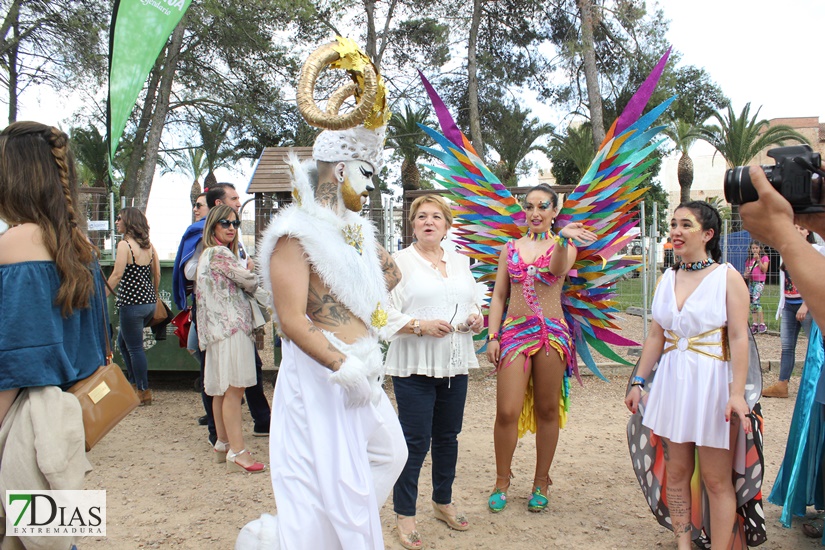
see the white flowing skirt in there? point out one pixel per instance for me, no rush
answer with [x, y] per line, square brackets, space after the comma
[332, 466]
[688, 398]
[229, 362]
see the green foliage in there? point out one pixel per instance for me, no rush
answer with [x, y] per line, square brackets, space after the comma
[721, 205]
[513, 134]
[90, 150]
[59, 43]
[571, 153]
[739, 138]
[656, 195]
[405, 135]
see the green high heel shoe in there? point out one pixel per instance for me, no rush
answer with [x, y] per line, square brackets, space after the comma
[538, 501]
[497, 501]
[498, 498]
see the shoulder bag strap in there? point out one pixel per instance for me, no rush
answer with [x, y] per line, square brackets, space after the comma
[107, 336]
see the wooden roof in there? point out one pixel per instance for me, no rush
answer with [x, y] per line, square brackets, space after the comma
[271, 173]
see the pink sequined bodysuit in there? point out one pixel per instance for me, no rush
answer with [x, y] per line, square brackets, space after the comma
[528, 334]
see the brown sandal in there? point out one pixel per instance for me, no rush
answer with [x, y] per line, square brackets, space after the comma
[456, 521]
[411, 540]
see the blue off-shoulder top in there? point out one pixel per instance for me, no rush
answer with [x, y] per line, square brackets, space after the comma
[38, 346]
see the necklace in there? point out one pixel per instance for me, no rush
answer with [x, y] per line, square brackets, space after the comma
[697, 266]
[433, 264]
[538, 236]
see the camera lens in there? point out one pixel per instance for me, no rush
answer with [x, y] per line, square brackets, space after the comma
[738, 186]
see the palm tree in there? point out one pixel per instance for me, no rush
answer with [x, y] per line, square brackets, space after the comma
[90, 149]
[192, 162]
[217, 147]
[684, 135]
[721, 205]
[575, 146]
[513, 136]
[740, 138]
[405, 136]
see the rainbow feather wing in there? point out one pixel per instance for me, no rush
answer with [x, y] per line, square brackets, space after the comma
[603, 200]
[486, 214]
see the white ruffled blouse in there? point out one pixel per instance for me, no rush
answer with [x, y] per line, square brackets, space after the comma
[425, 294]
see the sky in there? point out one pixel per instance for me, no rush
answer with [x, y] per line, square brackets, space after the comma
[766, 53]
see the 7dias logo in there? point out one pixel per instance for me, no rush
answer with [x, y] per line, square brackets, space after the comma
[55, 513]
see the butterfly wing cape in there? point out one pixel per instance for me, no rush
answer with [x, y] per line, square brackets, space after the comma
[486, 215]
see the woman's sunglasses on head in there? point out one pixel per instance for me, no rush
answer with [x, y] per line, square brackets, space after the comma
[226, 223]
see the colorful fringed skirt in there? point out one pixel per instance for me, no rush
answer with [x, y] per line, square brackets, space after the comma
[528, 335]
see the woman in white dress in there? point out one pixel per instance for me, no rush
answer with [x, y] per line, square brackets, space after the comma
[225, 333]
[697, 402]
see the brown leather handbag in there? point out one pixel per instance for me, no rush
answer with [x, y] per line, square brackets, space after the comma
[162, 314]
[105, 397]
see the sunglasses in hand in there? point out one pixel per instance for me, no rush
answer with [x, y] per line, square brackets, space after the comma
[226, 223]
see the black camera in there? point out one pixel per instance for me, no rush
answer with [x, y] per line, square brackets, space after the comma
[792, 176]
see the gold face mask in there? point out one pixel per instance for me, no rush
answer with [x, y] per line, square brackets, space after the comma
[694, 222]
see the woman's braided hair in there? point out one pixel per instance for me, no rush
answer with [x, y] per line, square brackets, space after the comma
[709, 218]
[38, 184]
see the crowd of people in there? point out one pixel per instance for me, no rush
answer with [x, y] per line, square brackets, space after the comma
[338, 448]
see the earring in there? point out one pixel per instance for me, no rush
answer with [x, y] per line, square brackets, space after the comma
[340, 178]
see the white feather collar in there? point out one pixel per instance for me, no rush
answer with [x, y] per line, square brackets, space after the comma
[354, 278]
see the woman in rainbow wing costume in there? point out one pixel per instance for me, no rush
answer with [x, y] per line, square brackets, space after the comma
[565, 301]
[536, 353]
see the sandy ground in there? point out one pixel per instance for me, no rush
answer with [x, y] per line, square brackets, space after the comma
[164, 491]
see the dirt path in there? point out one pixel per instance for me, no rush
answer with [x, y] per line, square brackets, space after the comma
[164, 491]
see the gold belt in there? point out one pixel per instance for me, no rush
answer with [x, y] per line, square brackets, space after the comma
[695, 344]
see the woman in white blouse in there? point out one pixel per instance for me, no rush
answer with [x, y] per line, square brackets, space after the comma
[225, 333]
[434, 311]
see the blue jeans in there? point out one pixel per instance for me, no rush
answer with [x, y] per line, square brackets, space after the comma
[788, 333]
[430, 410]
[130, 342]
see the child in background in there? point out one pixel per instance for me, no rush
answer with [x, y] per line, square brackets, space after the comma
[756, 269]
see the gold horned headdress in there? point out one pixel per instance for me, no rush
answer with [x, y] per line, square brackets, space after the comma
[358, 134]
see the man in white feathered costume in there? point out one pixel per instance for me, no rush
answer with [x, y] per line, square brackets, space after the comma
[336, 447]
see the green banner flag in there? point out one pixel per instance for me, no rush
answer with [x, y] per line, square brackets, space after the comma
[139, 30]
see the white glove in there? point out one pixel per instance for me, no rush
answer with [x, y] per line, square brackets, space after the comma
[352, 377]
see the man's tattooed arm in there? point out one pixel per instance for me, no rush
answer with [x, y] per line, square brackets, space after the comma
[392, 275]
[290, 276]
[331, 360]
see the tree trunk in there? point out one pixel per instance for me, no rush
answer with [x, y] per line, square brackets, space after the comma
[210, 180]
[372, 37]
[376, 209]
[684, 173]
[472, 78]
[133, 171]
[12, 57]
[591, 73]
[144, 182]
[410, 175]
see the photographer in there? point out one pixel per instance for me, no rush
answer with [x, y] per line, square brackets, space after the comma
[771, 220]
